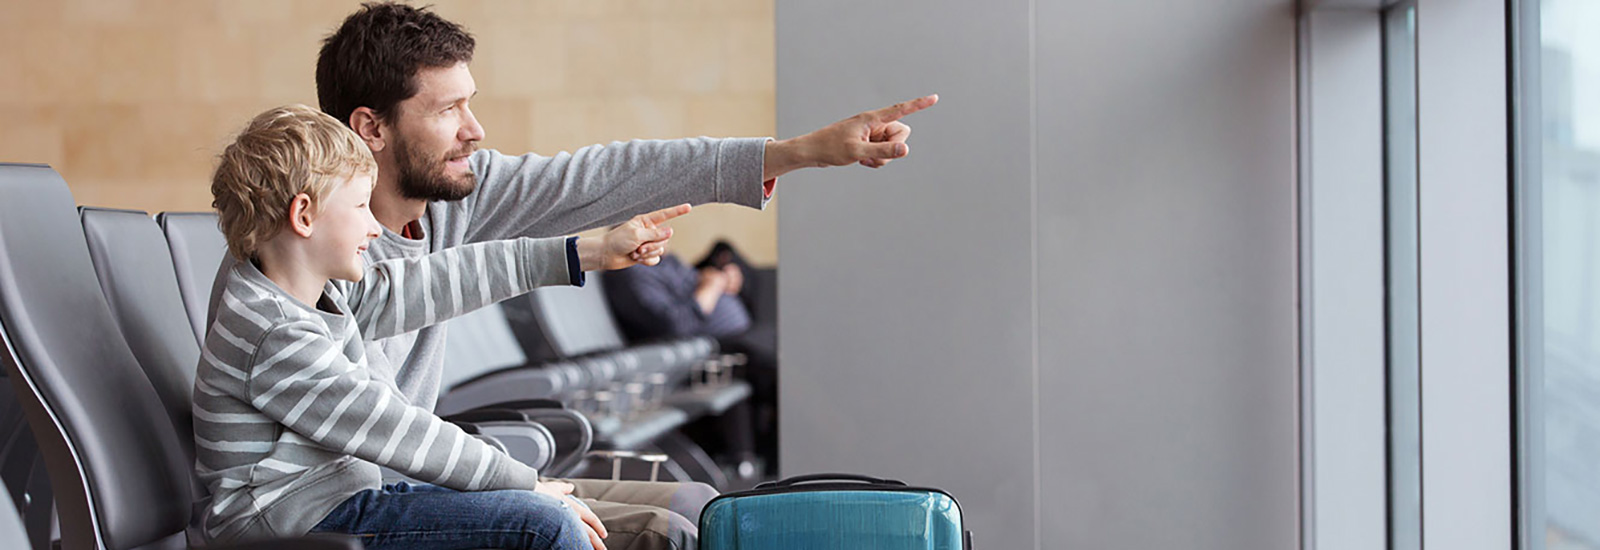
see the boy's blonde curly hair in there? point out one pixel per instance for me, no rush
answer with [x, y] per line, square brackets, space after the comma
[282, 152]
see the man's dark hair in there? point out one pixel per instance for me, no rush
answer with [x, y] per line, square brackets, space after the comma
[373, 59]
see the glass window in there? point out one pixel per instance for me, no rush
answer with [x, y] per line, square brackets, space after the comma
[1558, 271]
[1403, 298]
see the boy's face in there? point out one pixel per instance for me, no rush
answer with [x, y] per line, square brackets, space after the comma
[343, 226]
[433, 133]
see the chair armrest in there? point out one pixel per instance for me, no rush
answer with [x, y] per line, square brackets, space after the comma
[571, 422]
[518, 434]
[554, 416]
[530, 443]
[469, 423]
[512, 384]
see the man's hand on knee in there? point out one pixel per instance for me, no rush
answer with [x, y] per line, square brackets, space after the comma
[591, 523]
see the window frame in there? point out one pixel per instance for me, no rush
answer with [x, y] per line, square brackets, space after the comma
[1468, 416]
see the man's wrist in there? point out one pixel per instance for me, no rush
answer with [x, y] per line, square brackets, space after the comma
[782, 157]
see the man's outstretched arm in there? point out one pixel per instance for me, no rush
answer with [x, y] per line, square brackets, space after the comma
[599, 185]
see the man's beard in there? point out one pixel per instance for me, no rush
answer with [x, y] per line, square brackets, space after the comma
[423, 178]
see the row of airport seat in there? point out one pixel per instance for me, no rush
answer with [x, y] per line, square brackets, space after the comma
[101, 322]
[565, 341]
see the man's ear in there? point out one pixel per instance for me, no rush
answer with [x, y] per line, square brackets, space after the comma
[300, 215]
[366, 124]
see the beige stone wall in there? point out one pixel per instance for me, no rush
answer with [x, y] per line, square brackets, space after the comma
[131, 99]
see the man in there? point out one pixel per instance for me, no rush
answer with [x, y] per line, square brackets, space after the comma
[398, 76]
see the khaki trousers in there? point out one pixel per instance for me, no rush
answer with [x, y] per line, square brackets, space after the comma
[643, 515]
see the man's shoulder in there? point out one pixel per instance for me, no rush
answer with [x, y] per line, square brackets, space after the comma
[491, 157]
[446, 223]
[494, 169]
[490, 166]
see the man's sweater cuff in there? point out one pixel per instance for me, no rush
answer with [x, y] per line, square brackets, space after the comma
[740, 164]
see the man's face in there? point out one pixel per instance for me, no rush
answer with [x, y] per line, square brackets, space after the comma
[342, 225]
[433, 134]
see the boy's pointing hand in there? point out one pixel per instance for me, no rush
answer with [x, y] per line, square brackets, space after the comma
[641, 240]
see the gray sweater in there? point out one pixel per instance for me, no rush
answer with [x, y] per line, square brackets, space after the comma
[535, 196]
[288, 419]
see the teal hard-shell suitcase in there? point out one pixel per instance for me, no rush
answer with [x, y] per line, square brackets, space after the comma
[834, 512]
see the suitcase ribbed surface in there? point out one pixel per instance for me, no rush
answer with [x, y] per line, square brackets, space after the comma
[833, 516]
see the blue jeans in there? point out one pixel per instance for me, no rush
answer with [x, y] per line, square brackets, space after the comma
[403, 516]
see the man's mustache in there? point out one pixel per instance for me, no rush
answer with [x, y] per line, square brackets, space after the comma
[464, 151]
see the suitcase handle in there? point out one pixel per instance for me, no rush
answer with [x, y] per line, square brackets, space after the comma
[809, 478]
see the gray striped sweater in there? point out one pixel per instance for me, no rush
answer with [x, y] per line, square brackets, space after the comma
[289, 421]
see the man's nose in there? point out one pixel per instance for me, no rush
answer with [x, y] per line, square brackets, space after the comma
[471, 131]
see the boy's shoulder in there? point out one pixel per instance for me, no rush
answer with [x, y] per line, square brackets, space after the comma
[253, 313]
[251, 306]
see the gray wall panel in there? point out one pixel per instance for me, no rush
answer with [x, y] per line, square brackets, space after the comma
[906, 323]
[1166, 393]
[1167, 274]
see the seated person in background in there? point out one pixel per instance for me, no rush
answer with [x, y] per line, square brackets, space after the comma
[291, 424]
[757, 289]
[672, 300]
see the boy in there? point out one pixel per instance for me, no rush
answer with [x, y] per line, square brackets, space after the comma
[290, 424]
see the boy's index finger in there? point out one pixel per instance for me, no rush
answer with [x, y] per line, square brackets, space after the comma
[665, 214]
[901, 109]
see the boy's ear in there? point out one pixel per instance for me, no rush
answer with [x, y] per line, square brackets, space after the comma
[368, 127]
[300, 215]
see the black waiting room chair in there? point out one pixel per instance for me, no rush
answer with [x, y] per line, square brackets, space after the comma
[120, 475]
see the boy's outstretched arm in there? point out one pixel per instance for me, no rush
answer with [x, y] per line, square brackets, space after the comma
[398, 296]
